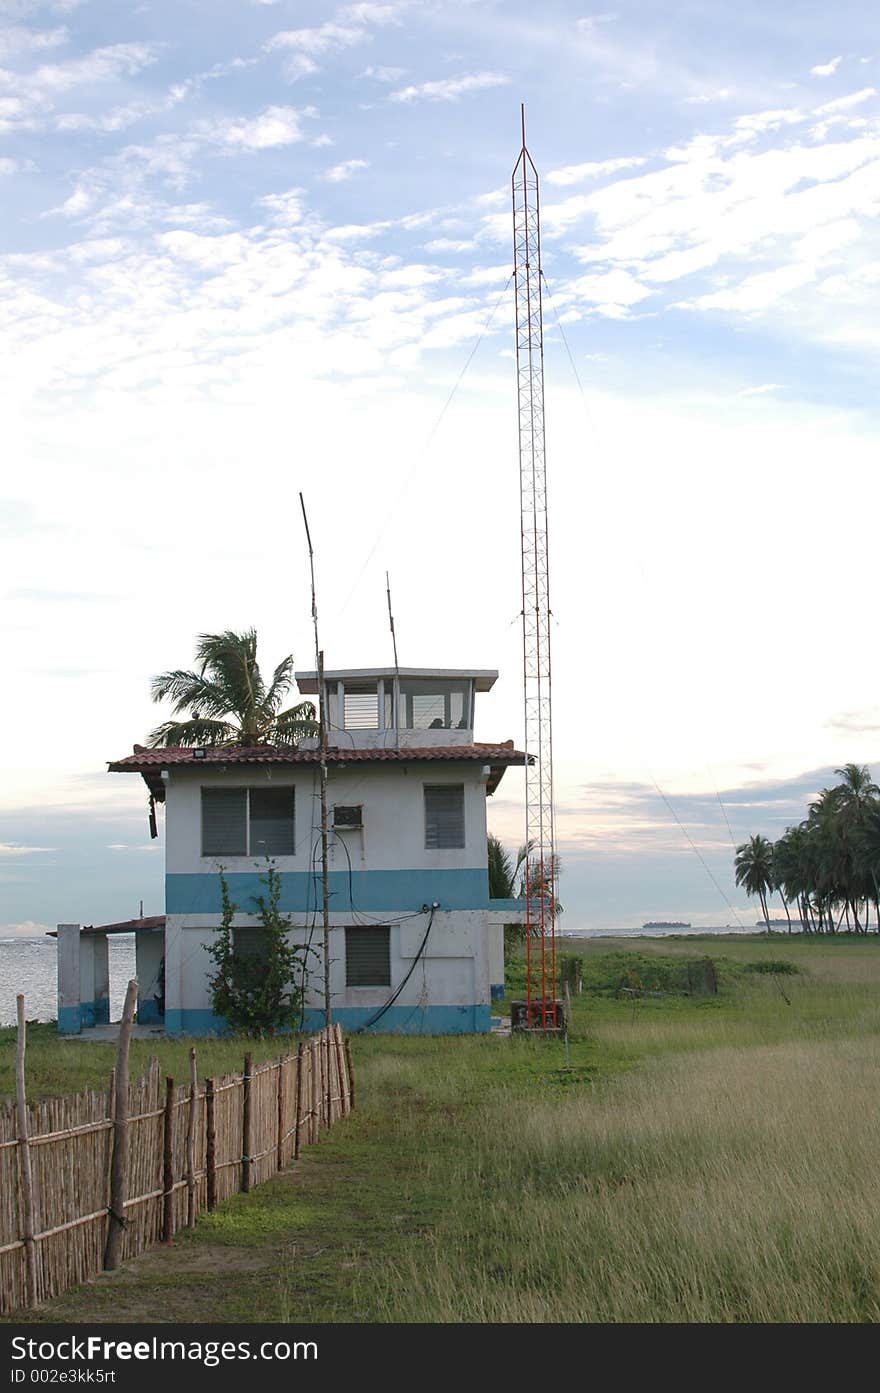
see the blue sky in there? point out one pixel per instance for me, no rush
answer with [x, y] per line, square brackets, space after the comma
[247, 249]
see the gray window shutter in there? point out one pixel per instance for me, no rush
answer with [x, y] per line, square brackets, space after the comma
[368, 956]
[224, 822]
[271, 822]
[444, 815]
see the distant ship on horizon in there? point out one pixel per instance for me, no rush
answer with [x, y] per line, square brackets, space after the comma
[666, 924]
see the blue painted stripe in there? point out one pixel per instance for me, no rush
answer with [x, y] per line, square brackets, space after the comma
[398, 1020]
[69, 1020]
[148, 1012]
[508, 904]
[380, 891]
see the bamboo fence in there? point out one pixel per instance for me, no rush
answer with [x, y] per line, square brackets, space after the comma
[185, 1147]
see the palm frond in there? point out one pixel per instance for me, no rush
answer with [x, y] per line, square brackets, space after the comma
[281, 680]
[193, 733]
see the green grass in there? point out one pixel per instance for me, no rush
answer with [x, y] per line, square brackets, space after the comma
[55, 1065]
[694, 1159]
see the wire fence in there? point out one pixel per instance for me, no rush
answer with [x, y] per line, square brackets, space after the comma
[180, 1149]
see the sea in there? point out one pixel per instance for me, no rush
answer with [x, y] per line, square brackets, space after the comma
[29, 965]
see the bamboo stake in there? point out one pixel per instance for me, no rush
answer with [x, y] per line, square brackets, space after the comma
[279, 1153]
[337, 1039]
[191, 1120]
[328, 1082]
[210, 1144]
[246, 1126]
[119, 1164]
[314, 1065]
[28, 1207]
[348, 1061]
[168, 1164]
[297, 1117]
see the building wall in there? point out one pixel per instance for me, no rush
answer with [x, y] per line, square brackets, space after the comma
[383, 874]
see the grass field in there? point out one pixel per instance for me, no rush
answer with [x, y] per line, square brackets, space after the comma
[696, 1159]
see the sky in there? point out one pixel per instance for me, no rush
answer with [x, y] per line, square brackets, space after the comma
[253, 247]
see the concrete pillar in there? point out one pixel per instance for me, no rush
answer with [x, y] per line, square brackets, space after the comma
[69, 1017]
[94, 980]
[174, 976]
[149, 953]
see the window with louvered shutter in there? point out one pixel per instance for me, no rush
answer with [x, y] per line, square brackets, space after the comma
[224, 822]
[368, 956]
[271, 821]
[444, 816]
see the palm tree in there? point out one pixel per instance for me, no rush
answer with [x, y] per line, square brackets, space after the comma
[754, 870]
[228, 701]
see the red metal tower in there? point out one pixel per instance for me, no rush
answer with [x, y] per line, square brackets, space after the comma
[541, 1006]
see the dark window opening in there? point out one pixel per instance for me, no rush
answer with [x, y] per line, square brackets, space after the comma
[368, 956]
[444, 816]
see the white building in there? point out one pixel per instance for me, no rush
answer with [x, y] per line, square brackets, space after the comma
[411, 915]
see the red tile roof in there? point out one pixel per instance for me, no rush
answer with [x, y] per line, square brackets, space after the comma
[150, 761]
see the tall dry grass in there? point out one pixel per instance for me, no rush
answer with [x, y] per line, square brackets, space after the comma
[731, 1176]
[737, 1185]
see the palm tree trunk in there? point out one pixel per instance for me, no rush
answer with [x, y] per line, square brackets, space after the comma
[785, 907]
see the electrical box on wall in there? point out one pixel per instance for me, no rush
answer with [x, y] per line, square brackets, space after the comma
[348, 817]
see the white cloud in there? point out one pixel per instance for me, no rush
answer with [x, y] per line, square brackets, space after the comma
[15, 40]
[450, 89]
[350, 27]
[844, 103]
[826, 69]
[277, 125]
[593, 169]
[761, 390]
[340, 172]
[13, 849]
[703, 98]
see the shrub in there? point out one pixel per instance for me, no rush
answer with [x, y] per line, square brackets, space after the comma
[257, 992]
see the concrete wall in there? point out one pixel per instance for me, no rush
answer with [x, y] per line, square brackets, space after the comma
[388, 876]
[83, 979]
[149, 952]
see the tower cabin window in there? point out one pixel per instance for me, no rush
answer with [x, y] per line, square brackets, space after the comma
[247, 822]
[360, 706]
[429, 704]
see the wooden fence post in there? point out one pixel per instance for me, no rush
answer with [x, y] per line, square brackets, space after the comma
[168, 1164]
[192, 1117]
[297, 1116]
[314, 1065]
[246, 1147]
[348, 1061]
[119, 1164]
[210, 1144]
[28, 1206]
[279, 1148]
[328, 1082]
[340, 1069]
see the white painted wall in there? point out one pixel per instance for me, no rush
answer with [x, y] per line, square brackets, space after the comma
[394, 816]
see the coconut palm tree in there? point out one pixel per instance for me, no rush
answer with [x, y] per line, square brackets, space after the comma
[227, 699]
[754, 870]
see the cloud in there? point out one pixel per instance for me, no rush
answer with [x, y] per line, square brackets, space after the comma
[761, 390]
[15, 40]
[340, 172]
[277, 125]
[351, 26]
[14, 849]
[450, 89]
[593, 169]
[857, 722]
[844, 103]
[703, 98]
[826, 69]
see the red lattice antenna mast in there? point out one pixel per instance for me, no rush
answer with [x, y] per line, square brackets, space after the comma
[541, 863]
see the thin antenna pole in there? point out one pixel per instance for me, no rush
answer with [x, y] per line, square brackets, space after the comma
[396, 665]
[322, 719]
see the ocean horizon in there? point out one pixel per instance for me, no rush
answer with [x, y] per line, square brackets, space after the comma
[30, 965]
